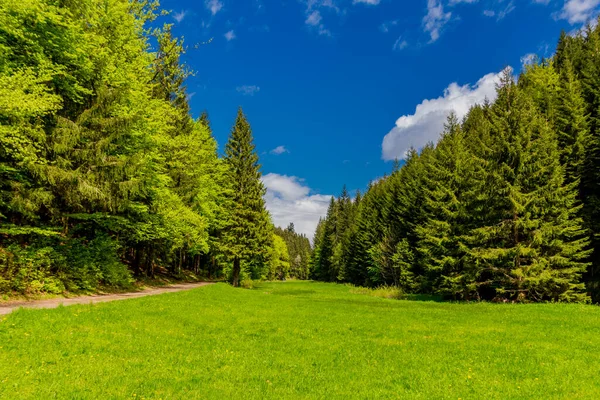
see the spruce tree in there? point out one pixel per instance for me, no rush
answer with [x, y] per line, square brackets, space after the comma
[571, 124]
[448, 187]
[247, 237]
[531, 245]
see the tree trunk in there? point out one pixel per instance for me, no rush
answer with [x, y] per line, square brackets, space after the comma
[236, 272]
[137, 268]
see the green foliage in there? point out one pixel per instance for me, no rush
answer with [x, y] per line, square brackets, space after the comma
[54, 265]
[247, 235]
[299, 250]
[279, 259]
[97, 146]
[501, 208]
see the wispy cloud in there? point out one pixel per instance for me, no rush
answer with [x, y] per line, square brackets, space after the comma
[386, 26]
[369, 2]
[435, 19]
[230, 35]
[400, 44]
[501, 13]
[314, 21]
[279, 150]
[314, 18]
[578, 11]
[214, 6]
[248, 90]
[179, 16]
[529, 59]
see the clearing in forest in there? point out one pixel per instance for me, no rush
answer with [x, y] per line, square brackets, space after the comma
[299, 340]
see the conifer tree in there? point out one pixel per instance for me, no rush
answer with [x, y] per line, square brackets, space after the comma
[448, 186]
[360, 240]
[315, 257]
[571, 124]
[531, 246]
[247, 237]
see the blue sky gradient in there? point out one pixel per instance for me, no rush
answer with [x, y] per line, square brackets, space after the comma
[324, 81]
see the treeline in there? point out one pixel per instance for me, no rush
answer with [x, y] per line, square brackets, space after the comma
[299, 251]
[505, 207]
[104, 176]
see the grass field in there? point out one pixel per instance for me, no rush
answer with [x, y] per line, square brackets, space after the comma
[300, 340]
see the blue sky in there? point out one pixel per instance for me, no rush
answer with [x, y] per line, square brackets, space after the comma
[335, 89]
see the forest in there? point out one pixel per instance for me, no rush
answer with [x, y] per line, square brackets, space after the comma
[505, 207]
[106, 178]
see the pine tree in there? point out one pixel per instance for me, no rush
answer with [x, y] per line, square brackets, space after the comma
[247, 237]
[326, 268]
[571, 124]
[449, 185]
[531, 245]
[315, 262]
[360, 240]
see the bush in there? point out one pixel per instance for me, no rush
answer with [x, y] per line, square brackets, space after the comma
[29, 270]
[247, 283]
[95, 263]
[58, 265]
[386, 292]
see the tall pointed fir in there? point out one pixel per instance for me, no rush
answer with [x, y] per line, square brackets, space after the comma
[531, 245]
[571, 123]
[448, 187]
[248, 236]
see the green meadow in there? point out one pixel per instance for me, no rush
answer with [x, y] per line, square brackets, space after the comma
[300, 340]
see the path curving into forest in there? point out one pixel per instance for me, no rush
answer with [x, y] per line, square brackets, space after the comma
[9, 307]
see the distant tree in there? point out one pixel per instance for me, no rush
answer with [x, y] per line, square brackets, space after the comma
[279, 259]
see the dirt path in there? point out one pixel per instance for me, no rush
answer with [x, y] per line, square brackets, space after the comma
[7, 308]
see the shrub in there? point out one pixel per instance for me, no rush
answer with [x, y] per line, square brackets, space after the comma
[386, 292]
[247, 283]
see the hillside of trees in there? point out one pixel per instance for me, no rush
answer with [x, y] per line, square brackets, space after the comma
[505, 207]
[104, 176]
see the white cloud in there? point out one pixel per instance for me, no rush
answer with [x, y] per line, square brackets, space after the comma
[435, 19]
[578, 11]
[507, 10]
[288, 200]
[385, 27]
[229, 36]
[369, 2]
[179, 16]
[529, 59]
[500, 14]
[248, 90]
[453, 2]
[427, 122]
[314, 18]
[279, 150]
[400, 44]
[214, 6]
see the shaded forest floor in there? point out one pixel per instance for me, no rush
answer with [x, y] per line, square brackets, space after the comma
[300, 340]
